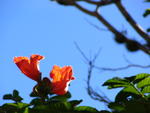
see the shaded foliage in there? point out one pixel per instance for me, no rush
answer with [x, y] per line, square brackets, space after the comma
[134, 97]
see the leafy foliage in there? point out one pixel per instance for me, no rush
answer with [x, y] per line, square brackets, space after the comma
[133, 97]
[14, 96]
[52, 104]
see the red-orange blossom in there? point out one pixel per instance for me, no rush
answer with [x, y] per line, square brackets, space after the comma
[61, 77]
[29, 67]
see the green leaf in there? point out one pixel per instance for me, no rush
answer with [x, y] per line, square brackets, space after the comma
[11, 104]
[33, 94]
[131, 89]
[53, 107]
[117, 86]
[142, 76]
[9, 108]
[75, 102]
[104, 111]
[36, 101]
[146, 89]
[15, 96]
[116, 106]
[124, 96]
[146, 13]
[86, 109]
[130, 79]
[22, 105]
[14, 107]
[115, 81]
[15, 93]
[8, 96]
[17, 99]
[144, 82]
[26, 110]
[18, 105]
[61, 97]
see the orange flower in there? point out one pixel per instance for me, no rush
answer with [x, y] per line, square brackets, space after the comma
[29, 67]
[61, 79]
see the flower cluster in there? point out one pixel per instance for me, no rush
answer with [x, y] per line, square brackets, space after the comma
[61, 77]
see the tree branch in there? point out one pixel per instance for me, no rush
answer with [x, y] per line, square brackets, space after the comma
[132, 22]
[121, 68]
[99, 3]
[92, 93]
[108, 25]
[113, 30]
[91, 13]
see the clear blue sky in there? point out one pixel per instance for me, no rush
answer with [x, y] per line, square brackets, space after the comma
[46, 28]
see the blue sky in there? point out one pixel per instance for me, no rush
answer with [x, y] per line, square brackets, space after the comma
[46, 28]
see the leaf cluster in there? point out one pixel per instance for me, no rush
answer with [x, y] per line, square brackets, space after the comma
[53, 104]
[134, 96]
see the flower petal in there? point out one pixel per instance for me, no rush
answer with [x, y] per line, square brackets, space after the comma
[29, 67]
[61, 77]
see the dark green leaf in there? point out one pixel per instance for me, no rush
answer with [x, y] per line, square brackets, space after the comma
[17, 99]
[117, 86]
[36, 101]
[125, 96]
[115, 81]
[15, 93]
[61, 97]
[104, 111]
[146, 13]
[18, 105]
[33, 94]
[130, 79]
[86, 109]
[75, 102]
[9, 108]
[8, 96]
[148, 30]
[116, 106]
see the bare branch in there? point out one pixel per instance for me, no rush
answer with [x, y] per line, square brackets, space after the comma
[84, 10]
[97, 27]
[113, 30]
[93, 94]
[121, 68]
[110, 27]
[132, 22]
[82, 53]
[99, 3]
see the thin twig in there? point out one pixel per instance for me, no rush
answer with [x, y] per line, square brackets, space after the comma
[121, 68]
[81, 52]
[93, 94]
[96, 26]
